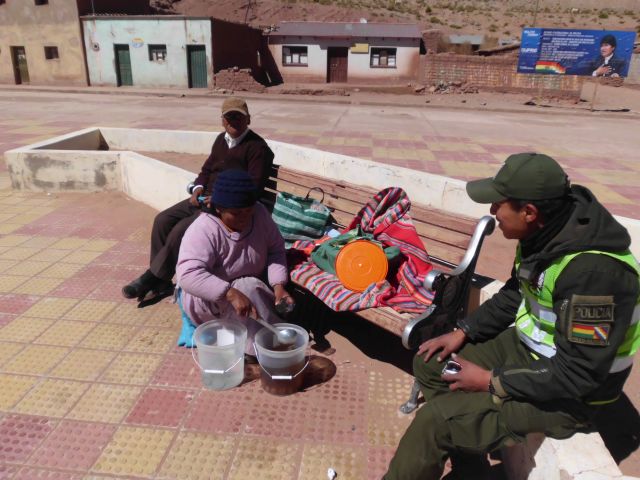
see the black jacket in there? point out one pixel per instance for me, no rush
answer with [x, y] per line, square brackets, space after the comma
[617, 65]
[577, 371]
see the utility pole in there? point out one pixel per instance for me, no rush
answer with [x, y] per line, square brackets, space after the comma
[535, 13]
[246, 13]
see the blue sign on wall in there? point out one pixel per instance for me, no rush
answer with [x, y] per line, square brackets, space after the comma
[598, 53]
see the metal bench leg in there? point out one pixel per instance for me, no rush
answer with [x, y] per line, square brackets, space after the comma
[411, 404]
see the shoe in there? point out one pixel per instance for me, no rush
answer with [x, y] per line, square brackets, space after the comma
[140, 286]
[164, 288]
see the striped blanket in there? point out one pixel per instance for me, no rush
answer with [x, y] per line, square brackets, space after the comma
[386, 217]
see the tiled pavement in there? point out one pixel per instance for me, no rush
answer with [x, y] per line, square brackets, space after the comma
[92, 387]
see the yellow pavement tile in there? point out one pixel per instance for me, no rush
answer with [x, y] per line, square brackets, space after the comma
[27, 267]
[99, 245]
[153, 340]
[38, 286]
[453, 168]
[36, 359]
[358, 142]
[105, 403]
[140, 235]
[69, 243]
[348, 460]
[389, 389]
[19, 253]
[6, 265]
[265, 458]
[186, 455]
[24, 329]
[128, 313]
[109, 336]
[4, 217]
[65, 333]
[134, 451]
[51, 398]
[606, 194]
[132, 368]
[90, 310]
[385, 426]
[165, 315]
[15, 209]
[51, 255]
[9, 282]
[400, 153]
[620, 178]
[83, 364]
[8, 350]
[6, 227]
[13, 388]
[40, 242]
[26, 218]
[456, 147]
[13, 240]
[81, 256]
[51, 307]
[62, 270]
[425, 155]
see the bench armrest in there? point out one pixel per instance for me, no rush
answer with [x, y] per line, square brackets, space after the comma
[486, 226]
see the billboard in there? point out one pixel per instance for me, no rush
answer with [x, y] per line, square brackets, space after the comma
[597, 53]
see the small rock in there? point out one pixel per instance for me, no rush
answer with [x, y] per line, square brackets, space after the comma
[419, 88]
[432, 89]
[463, 101]
[427, 101]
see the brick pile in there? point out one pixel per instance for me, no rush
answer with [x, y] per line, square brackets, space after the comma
[237, 80]
[496, 74]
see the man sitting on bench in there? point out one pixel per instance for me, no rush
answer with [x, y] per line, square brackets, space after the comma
[238, 148]
[573, 295]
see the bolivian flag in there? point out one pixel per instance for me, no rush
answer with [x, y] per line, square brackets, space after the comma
[598, 333]
[550, 67]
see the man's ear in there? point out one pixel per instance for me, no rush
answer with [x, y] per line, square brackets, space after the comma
[531, 214]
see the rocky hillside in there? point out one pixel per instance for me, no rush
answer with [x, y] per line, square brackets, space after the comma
[499, 18]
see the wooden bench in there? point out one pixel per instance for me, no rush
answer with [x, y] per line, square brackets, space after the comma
[453, 243]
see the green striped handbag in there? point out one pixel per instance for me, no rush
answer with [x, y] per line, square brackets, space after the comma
[300, 218]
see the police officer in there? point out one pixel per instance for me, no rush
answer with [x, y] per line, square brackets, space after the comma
[556, 342]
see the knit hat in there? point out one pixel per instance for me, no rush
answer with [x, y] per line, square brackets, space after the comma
[234, 189]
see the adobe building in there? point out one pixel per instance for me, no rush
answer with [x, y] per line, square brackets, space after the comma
[166, 50]
[41, 40]
[368, 53]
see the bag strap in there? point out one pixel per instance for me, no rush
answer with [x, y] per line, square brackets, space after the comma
[315, 188]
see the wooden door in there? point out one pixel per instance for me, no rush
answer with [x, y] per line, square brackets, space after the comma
[123, 65]
[197, 65]
[20, 69]
[337, 64]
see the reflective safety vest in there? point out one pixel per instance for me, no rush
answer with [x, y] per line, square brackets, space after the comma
[536, 320]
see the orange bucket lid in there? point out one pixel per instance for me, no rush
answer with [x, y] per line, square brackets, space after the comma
[361, 263]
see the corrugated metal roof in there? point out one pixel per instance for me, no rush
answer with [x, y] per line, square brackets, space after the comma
[472, 39]
[345, 29]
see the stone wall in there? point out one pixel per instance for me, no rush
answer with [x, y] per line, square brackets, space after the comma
[496, 74]
[237, 80]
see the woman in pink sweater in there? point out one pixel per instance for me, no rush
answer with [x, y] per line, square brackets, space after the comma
[226, 257]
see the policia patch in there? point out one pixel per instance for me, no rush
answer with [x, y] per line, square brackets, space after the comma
[590, 319]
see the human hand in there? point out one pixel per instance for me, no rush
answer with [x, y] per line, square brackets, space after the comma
[194, 196]
[603, 70]
[470, 378]
[446, 344]
[241, 303]
[283, 300]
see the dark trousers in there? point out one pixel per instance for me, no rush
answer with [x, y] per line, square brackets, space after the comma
[474, 423]
[168, 229]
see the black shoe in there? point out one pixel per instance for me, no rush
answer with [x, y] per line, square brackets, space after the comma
[140, 286]
[164, 288]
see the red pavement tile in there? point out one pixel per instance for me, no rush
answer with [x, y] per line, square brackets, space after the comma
[178, 371]
[6, 318]
[221, 412]
[73, 445]
[161, 407]
[282, 417]
[448, 156]
[16, 303]
[378, 459]
[7, 472]
[108, 290]
[74, 287]
[20, 435]
[124, 258]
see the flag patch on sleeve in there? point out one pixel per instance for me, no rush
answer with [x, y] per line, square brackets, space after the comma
[590, 319]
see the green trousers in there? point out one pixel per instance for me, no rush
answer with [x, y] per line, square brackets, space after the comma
[474, 423]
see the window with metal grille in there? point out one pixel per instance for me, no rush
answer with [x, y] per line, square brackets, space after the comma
[383, 58]
[294, 56]
[157, 53]
[50, 53]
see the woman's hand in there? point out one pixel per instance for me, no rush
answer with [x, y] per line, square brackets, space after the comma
[470, 378]
[282, 295]
[241, 303]
[446, 344]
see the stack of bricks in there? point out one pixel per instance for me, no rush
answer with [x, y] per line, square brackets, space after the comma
[237, 80]
[497, 74]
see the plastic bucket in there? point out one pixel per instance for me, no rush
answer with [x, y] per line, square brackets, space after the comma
[220, 353]
[281, 370]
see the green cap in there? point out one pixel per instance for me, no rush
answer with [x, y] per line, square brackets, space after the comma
[524, 176]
